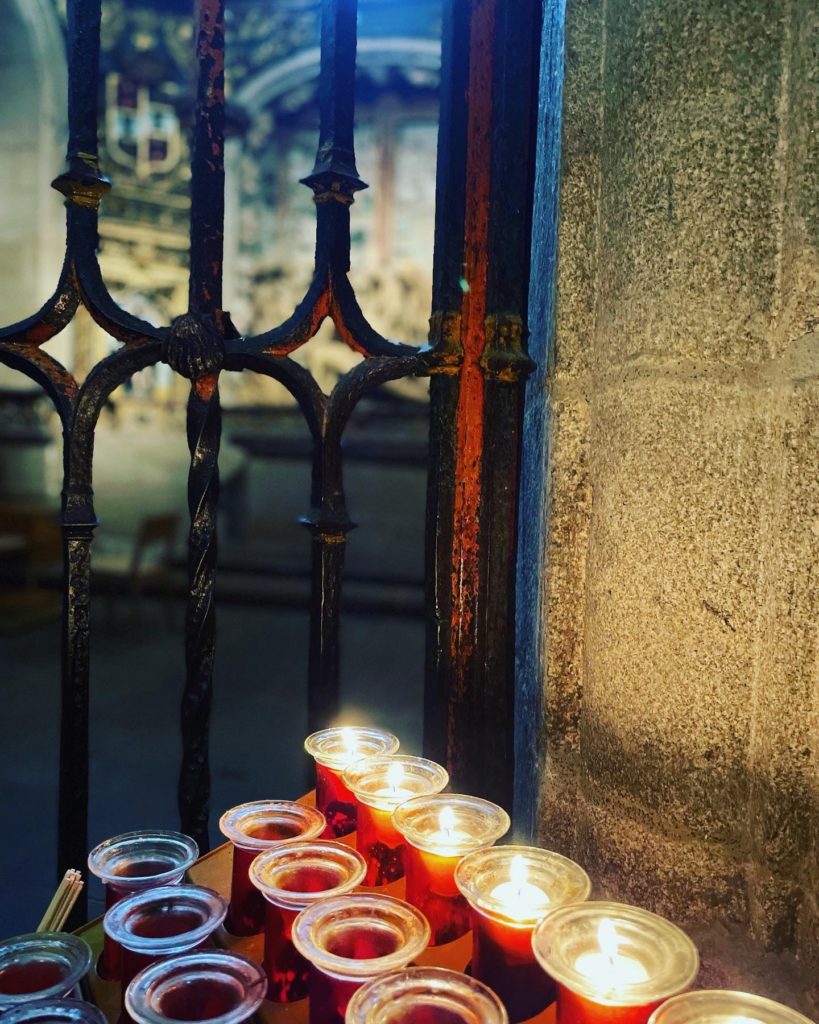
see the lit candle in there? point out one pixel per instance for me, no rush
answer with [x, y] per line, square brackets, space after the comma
[509, 889]
[713, 1006]
[430, 995]
[334, 750]
[606, 968]
[613, 963]
[380, 784]
[440, 830]
[350, 940]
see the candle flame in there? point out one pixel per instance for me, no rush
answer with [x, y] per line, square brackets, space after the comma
[607, 937]
[446, 820]
[518, 872]
[395, 775]
[348, 739]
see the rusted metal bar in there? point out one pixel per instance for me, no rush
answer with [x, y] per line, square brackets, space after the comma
[478, 361]
[82, 186]
[196, 350]
[334, 181]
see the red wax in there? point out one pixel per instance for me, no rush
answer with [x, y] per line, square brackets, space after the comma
[206, 999]
[431, 888]
[336, 802]
[159, 924]
[143, 869]
[502, 958]
[245, 914]
[575, 1009]
[109, 966]
[363, 943]
[329, 997]
[286, 969]
[21, 979]
[380, 845]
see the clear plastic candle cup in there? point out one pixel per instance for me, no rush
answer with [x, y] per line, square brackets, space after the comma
[54, 1011]
[380, 784]
[41, 965]
[159, 923]
[212, 986]
[425, 995]
[439, 831]
[132, 862]
[350, 940]
[291, 878]
[712, 1006]
[509, 889]
[613, 963]
[334, 750]
[252, 828]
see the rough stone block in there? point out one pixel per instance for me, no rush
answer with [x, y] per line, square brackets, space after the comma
[672, 600]
[689, 214]
[685, 880]
[569, 511]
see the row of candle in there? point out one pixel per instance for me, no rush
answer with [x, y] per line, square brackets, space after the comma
[534, 934]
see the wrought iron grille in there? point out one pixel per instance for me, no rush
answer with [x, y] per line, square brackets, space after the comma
[476, 359]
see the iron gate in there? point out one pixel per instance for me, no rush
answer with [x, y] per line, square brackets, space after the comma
[476, 358]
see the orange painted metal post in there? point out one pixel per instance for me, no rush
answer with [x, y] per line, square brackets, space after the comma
[479, 364]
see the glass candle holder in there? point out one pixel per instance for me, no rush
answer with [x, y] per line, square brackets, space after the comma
[380, 784]
[440, 830]
[425, 995]
[712, 1006]
[134, 861]
[509, 889]
[252, 828]
[613, 963]
[350, 940]
[213, 986]
[159, 923]
[334, 750]
[291, 878]
[54, 1011]
[41, 965]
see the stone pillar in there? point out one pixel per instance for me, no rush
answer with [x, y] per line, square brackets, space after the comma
[683, 543]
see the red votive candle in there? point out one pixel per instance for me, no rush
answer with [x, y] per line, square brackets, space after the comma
[213, 986]
[334, 750]
[716, 1006]
[380, 784]
[509, 889]
[133, 862]
[253, 828]
[159, 923]
[350, 940]
[41, 965]
[613, 963]
[440, 830]
[425, 995]
[291, 878]
[54, 1011]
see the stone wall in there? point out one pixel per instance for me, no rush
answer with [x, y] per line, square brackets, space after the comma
[682, 660]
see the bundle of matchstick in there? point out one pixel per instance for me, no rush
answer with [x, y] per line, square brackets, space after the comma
[62, 902]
